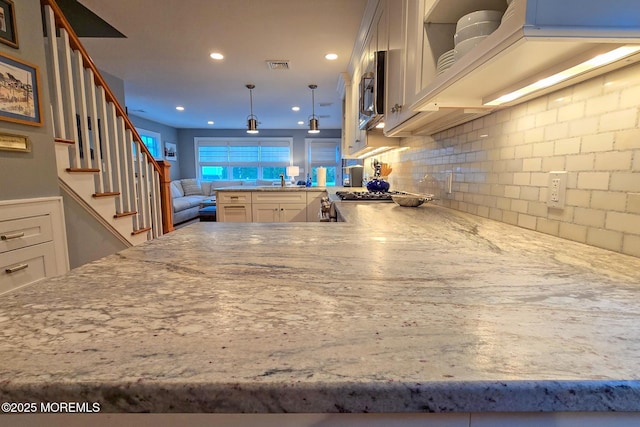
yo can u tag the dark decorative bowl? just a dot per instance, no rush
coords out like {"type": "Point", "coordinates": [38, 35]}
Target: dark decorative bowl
{"type": "Point", "coordinates": [378, 185]}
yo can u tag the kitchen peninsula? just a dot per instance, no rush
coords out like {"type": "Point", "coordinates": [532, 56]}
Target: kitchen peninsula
{"type": "Point", "coordinates": [396, 310]}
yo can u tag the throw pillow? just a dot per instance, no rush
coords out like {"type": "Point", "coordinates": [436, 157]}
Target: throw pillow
{"type": "Point", "coordinates": [176, 189]}
{"type": "Point", "coordinates": [191, 187]}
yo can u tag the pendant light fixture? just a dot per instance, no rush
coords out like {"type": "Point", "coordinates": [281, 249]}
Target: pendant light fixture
{"type": "Point", "coordinates": [313, 119]}
{"type": "Point", "coordinates": [252, 120]}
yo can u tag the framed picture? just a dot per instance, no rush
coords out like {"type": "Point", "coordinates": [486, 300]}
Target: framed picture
{"type": "Point", "coordinates": [11, 142]}
{"type": "Point", "coordinates": [19, 91]}
{"type": "Point", "coordinates": [8, 33]}
{"type": "Point", "coordinates": [170, 151]}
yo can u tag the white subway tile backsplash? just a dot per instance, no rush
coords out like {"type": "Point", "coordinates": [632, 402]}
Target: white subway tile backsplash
{"type": "Point", "coordinates": [609, 200]}
{"type": "Point", "coordinates": [574, 232]}
{"type": "Point", "coordinates": [633, 203]}
{"type": "Point", "coordinates": [619, 120]}
{"type": "Point", "coordinates": [545, 118]}
{"type": "Point", "coordinates": [522, 178]}
{"type": "Point", "coordinates": [586, 126]}
{"type": "Point", "coordinates": [571, 112]}
{"type": "Point", "coordinates": [625, 181]}
{"type": "Point", "coordinates": [580, 162]}
{"type": "Point", "coordinates": [527, 221]}
{"type": "Point", "coordinates": [543, 149]}
{"type": "Point", "coordinates": [630, 96]}
{"type": "Point", "coordinates": [625, 222]}
{"type": "Point", "coordinates": [590, 130]}
{"type": "Point", "coordinates": [589, 217]}
{"type": "Point", "coordinates": [615, 161]}
{"type": "Point", "coordinates": [598, 142]}
{"type": "Point", "coordinates": [598, 105]}
{"type": "Point", "coordinates": [580, 198]}
{"type": "Point", "coordinates": [553, 163]}
{"type": "Point", "coordinates": [628, 139]}
{"type": "Point", "coordinates": [631, 245]}
{"type": "Point", "coordinates": [548, 226]}
{"type": "Point", "coordinates": [557, 131]}
{"type": "Point", "coordinates": [567, 146]}
{"type": "Point", "coordinates": [605, 239]}
{"type": "Point", "coordinates": [593, 180]}
{"type": "Point", "coordinates": [532, 165]}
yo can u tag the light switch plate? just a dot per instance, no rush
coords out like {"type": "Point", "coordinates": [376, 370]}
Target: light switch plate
{"type": "Point", "coordinates": [556, 193]}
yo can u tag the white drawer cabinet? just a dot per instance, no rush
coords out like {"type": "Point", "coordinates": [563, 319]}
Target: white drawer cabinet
{"type": "Point", "coordinates": [233, 206]}
{"type": "Point", "coordinates": [33, 242]}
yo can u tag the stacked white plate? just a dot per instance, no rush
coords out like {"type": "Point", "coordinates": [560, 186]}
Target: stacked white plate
{"type": "Point", "coordinates": [473, 28]}
{"type": "Point", "coordinates": [445, 61]}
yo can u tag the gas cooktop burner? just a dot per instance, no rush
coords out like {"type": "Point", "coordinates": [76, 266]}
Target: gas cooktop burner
{"type": "Point", "coordinates": [367, 196]}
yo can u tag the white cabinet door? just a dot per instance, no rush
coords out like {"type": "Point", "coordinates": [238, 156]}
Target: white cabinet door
{"type": "Point", "coordinates": [280, 212]}
{"type": "Point", "coordinates": [293, 212]}
{"type": "Point", "coordinates": [266, 212]}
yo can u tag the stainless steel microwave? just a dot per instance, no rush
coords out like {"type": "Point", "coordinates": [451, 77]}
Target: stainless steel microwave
{"type": "Point", "coordinates": [372, 93]}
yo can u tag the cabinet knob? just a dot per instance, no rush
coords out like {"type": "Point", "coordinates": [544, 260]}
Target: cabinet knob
{"type": "Point", "coordinates": [396, 108]}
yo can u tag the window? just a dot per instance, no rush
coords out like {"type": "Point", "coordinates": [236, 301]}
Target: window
{"type": "Point", "coordinates": [242, 159]}
{"type": "Point", "coordinates": [325, 153]}
{"type": "Point", "coordinates": [153, 142]}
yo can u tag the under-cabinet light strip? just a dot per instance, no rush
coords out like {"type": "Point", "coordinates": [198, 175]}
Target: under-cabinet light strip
{"type": "Point", "coordinates": [598, 61]}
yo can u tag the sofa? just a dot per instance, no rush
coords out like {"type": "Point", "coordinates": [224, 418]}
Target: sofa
{"type": "Point", "coordinates": [188, 194]}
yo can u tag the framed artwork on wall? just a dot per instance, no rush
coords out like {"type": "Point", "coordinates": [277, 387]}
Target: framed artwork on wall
{"type": "Point", "coordinates": [19, 91]}
{"type": "Point", "coordinates": [8, 32]}
{"type": "Point", "coordinates": [170, 151]}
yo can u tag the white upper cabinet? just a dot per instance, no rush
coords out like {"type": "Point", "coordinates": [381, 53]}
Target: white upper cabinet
{"type": "Point", "coordinates": [537, 40]}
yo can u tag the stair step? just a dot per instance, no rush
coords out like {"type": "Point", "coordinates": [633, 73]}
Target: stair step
{"type": "Point", "coordinates": [142, 230]}
{"type": "Point", "coordinates": [125, 214]}
{"type": "Point", "coordinates": [64, 141]}
{"type": "Point", "coordinates": [83, 170]}
{"type": "Point", "coordinates": [108, 194]}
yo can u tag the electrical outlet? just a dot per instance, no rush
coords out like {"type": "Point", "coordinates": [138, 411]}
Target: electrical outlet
{"type": "Point", "coordinates": [557, 189]}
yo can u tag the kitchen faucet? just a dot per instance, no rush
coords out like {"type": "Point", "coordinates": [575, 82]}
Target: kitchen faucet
{"type": "Point", "coordinates": [281, 180]}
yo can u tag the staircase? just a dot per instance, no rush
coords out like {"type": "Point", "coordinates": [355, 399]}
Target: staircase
{"type": "Point", "coordinates": [101, 160]}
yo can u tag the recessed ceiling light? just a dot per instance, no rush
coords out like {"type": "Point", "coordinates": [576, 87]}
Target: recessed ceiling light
{"type": "Point", "coordinates": [210, 122]}
{"type": "Point", "coordinates": [295, 108]}
{"type": "Point", "coordinates": [216, 55]}
{"type": "Point", "coordinates": [331, 56]}
{"type": "Point", "coordinates": [180, 108]}
{"type": "Point", "coordinates": [300, 122]}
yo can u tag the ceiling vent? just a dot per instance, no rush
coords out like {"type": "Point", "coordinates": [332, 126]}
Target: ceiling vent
{"type": "Point", "coordinates": [326, 104]}
{"type": "Point", "coordinates": [278, 64]}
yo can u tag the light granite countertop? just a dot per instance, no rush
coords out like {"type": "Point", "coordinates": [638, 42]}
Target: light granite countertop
{"type": "Point", "coordinates": [397, 310]}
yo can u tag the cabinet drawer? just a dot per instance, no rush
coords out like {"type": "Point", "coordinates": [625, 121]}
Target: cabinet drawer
{"type": "Point", "coordinates": [279, 197]}
{"type": "Point", "coordinates": [233, 197]}
{"type": "Point", "coordinates": [22, 232]}
{"type": "Point", "coordinates": [24, 266]}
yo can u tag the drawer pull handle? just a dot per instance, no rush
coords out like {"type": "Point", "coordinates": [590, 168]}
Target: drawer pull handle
{"type": "Point", "coordinates": [12, 236]}
{"type": "Point", "coordinates": [234, 197]}
{"type": "Point", "coordinates": [15, 268]}
{"type": "Point", "coordinates": [235, 207]}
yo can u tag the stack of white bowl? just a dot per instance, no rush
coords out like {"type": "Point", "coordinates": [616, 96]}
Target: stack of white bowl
{"type": "Point", "coordinates": [472, 29]}
{"type": "Point", "coordinates": [445, 61]}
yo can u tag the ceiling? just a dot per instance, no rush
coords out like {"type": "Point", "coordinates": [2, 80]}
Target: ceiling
{"type": "Point", "coordinates": [164, 59]}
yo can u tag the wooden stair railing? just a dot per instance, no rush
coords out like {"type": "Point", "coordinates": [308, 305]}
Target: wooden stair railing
{"type": "Point", "coordinates": [88, 119]}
